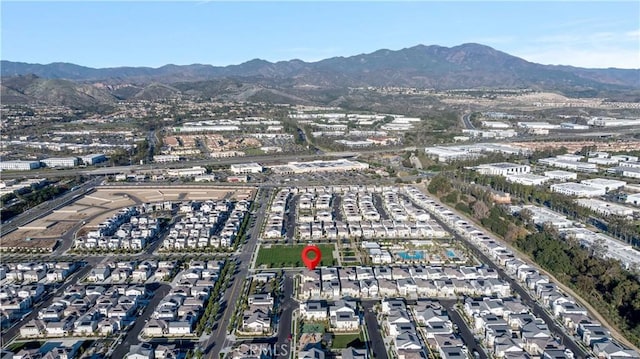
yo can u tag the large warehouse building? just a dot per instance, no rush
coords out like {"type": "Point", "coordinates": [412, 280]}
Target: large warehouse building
{"type": "Point", "coordinates": [320, 166]}
{"type": "Point", "coordinates": [19, 165]}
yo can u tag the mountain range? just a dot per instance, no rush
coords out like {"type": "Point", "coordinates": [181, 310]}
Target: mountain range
{"type": "Point", "coordinates": [463, 66]}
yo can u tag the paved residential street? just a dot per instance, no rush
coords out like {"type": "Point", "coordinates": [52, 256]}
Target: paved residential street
{"type": "Point", "coordinates": [217, 340]}
{"type": "Point", "coordinates": [288, 305]}
{"type": "Point", "coordinates": [375, 336]}
{"type": "Point", "coordinates": [131, 338]}
{"type": "Point", "coordinates": [465, 332]}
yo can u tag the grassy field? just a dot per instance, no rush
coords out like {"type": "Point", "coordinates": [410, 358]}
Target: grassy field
{"type": "Point", "coordinates": [313, 328]}
{"type": "Point", "coordinates": [17, 346]}
{"type": "Point", "coordinates": [347, 340]}
{"type": "Point", "coordinates": [290, 256]}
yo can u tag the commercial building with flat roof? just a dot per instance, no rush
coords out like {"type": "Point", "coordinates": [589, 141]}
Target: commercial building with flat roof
{"type": "Point", "coordinates": [187, 172]}
{"type": "Point", "coordinates": [219, 128]}
{"type": "Point", "coordinates": [165, 158]}
{"type": "Point", "coordinates": [625, 158]}
{"type": "Point", "coordinates": [244, 168]}
{"type": "Point", "coordinates": [577, 189]}
{"type": "Point", "coordinates": [570, 157]}
{"type": "Point", "coordinates": [561, 175]}
{"type": "Point", "coordinates": [632, 164]}
{"type": "Point", "coordinates": [605, 184]}
{"type": "Point", "coordinates": [603, 161]}
{"type": "Point", "coordinates": [320, 166]}
{"type": "Point", "coordinates": [538, 125]}
{"type": "Point", "coordinates": [527, 179]}
{"type": "Point", "coordinates": [573, 126]}
{"type": "Point", "coordinates": [495, 124]}
{"type": "Point", "coordinates": [60, 161]}
{"type": "Point", "coordinates": [444, 154]}
{"type": "Point", "coordinates": [633, 199]}
{"type": "Point", "coordinates": [605, 208]}
{"type": "Point", "coordinates": [541, 216]}
{"type": "Point", "coordinates": [502, 169]}
{"type": "Point", "coordinates": [355, 144]}
{"type": "Point", "coordinates": [92, 159]}
{"type": "Point", "coordinates": [569, 164]}
{"type": "Point", "coordinates": [19, 165]}
{"type": "Point", "coordinates": [613, 248]}
{"type": "Point", "coordinates": [616, 249]}
{"type": "Point", "coordinates": [625, 171]}
{"type": "Point", "coordinates": [495, 147]}
{"type": "Point", "coordinates": [451, 153]}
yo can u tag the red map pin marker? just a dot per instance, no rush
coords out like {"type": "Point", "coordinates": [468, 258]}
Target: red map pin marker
{"type": "Point", "coordinates": [311, 263]}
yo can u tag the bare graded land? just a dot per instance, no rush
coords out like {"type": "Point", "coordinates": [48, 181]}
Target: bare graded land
{"type": "Point", "coordinates": [39, 235]}
{"type": "Point", "coordinates": [46, 228]}
{"type": "Point", "coordinates": [182, 193]}
{"type": "Point", "coordinates": [105, 200]}
{"type": "Point", "coordinates": [20, 244]}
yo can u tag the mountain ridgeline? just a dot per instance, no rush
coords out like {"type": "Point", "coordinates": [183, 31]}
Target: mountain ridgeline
{"type": "Point", "coordinates": [464, 66]}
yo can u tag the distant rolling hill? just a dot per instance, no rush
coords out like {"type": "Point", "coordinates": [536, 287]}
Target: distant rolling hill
{"type": "Point", "coordinates": [464, 66]}
{"type": "Point", "coordinates": [33, 89]}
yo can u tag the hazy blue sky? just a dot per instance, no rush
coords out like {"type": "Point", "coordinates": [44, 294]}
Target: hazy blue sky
{"type": "Point", "coordinates": [105, 34]}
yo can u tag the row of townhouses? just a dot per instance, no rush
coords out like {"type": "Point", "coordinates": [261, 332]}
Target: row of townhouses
{"type": "Point", "coordinates": [274, 224]}
{"type": "Point", "coordinates": [132, 235]}
{"type": "Point", "coordinates": [131, 271]}
{"type": "Point", "coordinates": [411, 282]}
{"type": "Point", "coordinates": [206, 224]}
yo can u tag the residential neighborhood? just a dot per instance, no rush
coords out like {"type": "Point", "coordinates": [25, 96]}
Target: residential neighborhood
{"type": "Point", "coordinates": [430, 223]}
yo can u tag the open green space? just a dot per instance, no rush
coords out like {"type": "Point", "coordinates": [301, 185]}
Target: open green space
{"type": "Point", "coordinates": [19, 345]}
{"type": "Point", "coordinates": [313, 328]}
{"type": "Point", "coordinates": [347, 340]}
{"type": "Point", "coordinates": [278, 256]}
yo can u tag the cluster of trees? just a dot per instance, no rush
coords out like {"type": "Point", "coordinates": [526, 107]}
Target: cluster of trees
{"type": "Point", "coordinates": [141, 151]}
{"type": "Point", "coordinates": [476, 201]}
{"type": "Point", "coordinates": [612, 290]}
{"type": "Point", "coordinates": [621, 228]}
{"type": "Point", "coordinates": [30, 199]}
{"type": "Point", "coordinates": [195, 354]}
{"type": "Point", "coordinates": [433, 129]}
